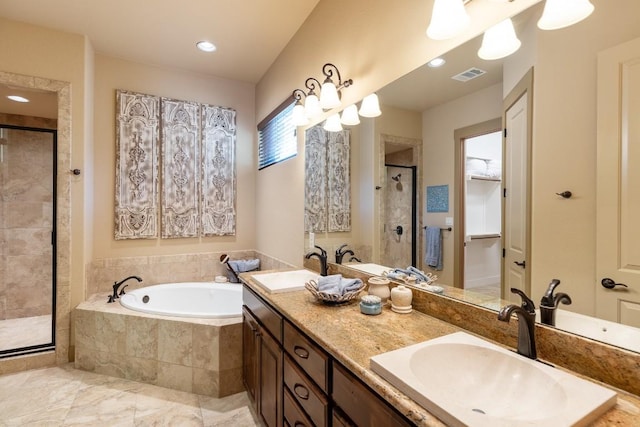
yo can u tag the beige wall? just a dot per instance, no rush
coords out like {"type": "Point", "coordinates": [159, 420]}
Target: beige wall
{"type": "Point", "coordinates": [439, 123]}
{"type": "Point", "coordinates": [372, 42]}
{"type": "Point", "coordinates": [564, 149]}
{"type": "Point", "coordinates": [36, 51]}
{"type": "Point", "coordinates": [113, 73]}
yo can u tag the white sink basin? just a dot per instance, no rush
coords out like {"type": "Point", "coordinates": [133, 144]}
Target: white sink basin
{"type": "Point", "coordinates": [284, 281]}
{"type": "Point", "coordinates": [464, 380]}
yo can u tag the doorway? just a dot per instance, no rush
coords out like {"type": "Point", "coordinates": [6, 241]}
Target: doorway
{"type": "Point", "coordinates": [27, 229]}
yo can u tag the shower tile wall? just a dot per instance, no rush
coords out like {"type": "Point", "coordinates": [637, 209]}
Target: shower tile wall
{"type": "Point", "coordinates": [26, 188]}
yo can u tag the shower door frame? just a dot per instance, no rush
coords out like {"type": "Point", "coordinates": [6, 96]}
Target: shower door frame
{"type": "Point", "coordinates": [414, 210]}
{"type": "Point", "coordinates": [37, 348]}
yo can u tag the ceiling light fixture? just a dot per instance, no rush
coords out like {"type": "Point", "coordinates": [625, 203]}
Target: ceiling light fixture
{"type": "Point", "coordinates": [436, 62]}
{"type": "Point", "coordinates": [206, 46]}
{"type": "Point", "coordinates": [562, 13]}
{"type": "Point", "coordinates": [17, 98]}
{"type": "Point", "coordinates": [448, 19]}
{"type": "Point", "coordinates": [499, 41]}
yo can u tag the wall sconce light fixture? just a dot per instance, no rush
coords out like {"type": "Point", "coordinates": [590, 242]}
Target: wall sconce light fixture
{"type": "Point", "coordinates": [448, 19]}
{"type": "Point", "coordinates": [370, 106]}
{"type": "Point", "coordinates": [499, 41]}
{"type": "Point", "coordinates": [330, 92]}
{"type": "Point", "coordinates": [563, 13]}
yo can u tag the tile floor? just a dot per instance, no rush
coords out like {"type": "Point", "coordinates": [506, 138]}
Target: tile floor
{"type": "Point", "coordinates": [65, 396]}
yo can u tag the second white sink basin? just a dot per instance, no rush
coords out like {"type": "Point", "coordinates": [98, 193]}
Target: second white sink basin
{"type": "Point", "coordinates": [284, 281]}
{"type": "Point", "coordinates": [464, 380]}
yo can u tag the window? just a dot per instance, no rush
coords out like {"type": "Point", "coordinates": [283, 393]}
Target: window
{"type": "Point", "coordinates": [277, 136]}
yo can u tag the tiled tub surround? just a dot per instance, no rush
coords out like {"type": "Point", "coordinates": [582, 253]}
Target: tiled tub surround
{"type": "Point", "coordinates": [202, 356]}
{"type": "Point", "coordinates": [200, 267]}
{"type": "Point", "coordinates": [353, 338]}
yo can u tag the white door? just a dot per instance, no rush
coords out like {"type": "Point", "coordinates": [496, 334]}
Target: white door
{"type": "Point", "coordinates": [618, 175]}
{"type": "Point", "coordinates": [515, 268]}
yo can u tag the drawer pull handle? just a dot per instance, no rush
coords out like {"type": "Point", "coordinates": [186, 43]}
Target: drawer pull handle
{"type": "Point", "coordinates": [303, 394]}
{"type": "Point", "coordinates": [301, 352]}
{"type": "Point", "coordinates": [299, 424]}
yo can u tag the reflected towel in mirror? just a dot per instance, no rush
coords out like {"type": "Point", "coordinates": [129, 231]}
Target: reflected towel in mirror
{"type": "Point", "coordinates": [433, 252]}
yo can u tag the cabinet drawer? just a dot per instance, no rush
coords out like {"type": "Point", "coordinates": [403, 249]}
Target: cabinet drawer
{"type": "Point", "coordinates": [293, 415]}
{"type": "Point", "coordinates": [308, 355]}
{"type": "Point", "coordinates": [267, 316]}
{"type": "Point", "coordinates": [308, 395]}
{"type": "Point", "coordinates": [361, 404]}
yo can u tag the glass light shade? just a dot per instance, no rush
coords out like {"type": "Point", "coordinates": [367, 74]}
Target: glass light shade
{"type": "Point", "coordinates": [329, 97]}
{"type": "Point", "coordinates": [448, 19]}
{"type": "Point", "coordinates": [370, 106]}
{"type": "Point", "coordinates": [312, 106]}
{"type": "Point", "coordinates": [499, 41]}
{"type": "Point", "coordinates": [350, 116]}
{"type": "Point", "coordinates": [332, 124]}
{"type": "Point", "coordinates": [298, 115]}
{"type": "Point", "coordinates": [562, 13]}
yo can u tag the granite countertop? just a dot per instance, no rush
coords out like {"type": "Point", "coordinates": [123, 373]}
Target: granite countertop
{"type": "Point", "coordinates": [353, 338]}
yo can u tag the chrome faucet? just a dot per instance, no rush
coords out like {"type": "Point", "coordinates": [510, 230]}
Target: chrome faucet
{"type": "Point", "coordinates": [116, 285]}
{"type": "Point", "coordinates": [526, 323]}
{"type": "Point", "coordinates": [550, 302]}
{"type": "Point", "coordinates": [322, 257]}
{"type": "Point", "coordinates": [341, 252]}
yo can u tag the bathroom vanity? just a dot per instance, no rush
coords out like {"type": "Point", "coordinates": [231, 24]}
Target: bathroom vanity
{"type": "Point", "coordinates": [307, 363]}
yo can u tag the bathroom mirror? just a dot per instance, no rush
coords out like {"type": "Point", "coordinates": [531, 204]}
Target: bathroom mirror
{"type": "Point", "coordinates": [565, 77]}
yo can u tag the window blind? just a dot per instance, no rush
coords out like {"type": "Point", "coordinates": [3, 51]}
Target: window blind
{"type": "Point", "coordinates": [277, 136]}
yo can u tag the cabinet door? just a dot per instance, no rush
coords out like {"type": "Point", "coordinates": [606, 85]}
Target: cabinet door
{"type": "Point", "coordinates": [250, 336]}
{"type": "Point", "coordinates": [270, 381]}
{"type": "Point", "coordinates": [360, 404]}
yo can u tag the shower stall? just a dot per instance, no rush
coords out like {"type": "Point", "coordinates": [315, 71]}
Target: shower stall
{"type": "Point", "coordinates": [27, 234]}
{"type": "Point", "coordinates": [399, 240]}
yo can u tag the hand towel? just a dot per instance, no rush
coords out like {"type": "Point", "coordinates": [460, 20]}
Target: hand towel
{"type": "Point", "coordinates": [242, 266]}
{"type": "Point", "coordinates": [349, 285]}
{"type": "Point", "coordinates": [330, 284]}
{"type": "Point", "coordinates": [433, 253]}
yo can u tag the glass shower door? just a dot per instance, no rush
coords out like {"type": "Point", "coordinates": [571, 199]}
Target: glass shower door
{"type": "Point", "coordinates": [27, 234]}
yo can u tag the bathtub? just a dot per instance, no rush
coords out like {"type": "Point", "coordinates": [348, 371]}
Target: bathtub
{"type": "Point", "coordinates": [207, 300]}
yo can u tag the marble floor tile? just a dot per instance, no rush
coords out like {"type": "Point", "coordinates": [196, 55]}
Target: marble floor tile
{"type": "Point", "coordinates": [64, 396]}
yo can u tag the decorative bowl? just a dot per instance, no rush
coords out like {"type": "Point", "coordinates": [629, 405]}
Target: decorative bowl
{"type": "Point", "coordinates": [330, 298]}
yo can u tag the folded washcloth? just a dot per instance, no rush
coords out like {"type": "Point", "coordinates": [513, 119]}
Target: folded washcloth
{"type": "Point", "coordinates": [242, 266]}
{"type": "Point", "coordinates": [419, 274]}
{"type": "Point", "coordinates": [435, 289]}
{"type": "Point", "coordinates": [395, 275]}
{"type": "Point", "coordinates": [330, 284]}
{"type": "Point", "coordinates": [349, 285]}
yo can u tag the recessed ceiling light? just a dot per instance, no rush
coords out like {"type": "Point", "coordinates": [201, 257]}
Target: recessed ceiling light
{"type": "Point", "coordinates": [17, 98]}
{"type": "Point", "coordinates": [206, 46]}
{"type": "Point", "coordinates": [437, 62]}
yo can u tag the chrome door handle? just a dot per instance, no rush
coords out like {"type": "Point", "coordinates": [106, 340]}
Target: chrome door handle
{"type": "Point", "coordinates": [610, 283]}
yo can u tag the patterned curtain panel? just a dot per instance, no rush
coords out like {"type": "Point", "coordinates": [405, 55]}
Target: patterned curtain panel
{"type": "Point", "coordinates": [136, 204]}
{"type": "Point", "coordinates": [218, 171]}
{"type": "Point", "coordinates": [180, 168]}
{"type": "Point", "coordinates": [327, 181]}
{"type": "Point", "coordinates": [315, 166]}
{"type": "Point", "coordinates": [339, 181]}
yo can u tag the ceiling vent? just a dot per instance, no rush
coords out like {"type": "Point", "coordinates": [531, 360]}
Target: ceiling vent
{"type": "Point", "coordinates": [469, 74]}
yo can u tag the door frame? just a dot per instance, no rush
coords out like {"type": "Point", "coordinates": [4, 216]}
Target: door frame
{"type": "Point", "coordinates": [459, 136]}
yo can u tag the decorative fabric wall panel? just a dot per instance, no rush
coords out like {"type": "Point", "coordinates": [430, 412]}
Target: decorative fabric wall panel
{"type": "Point", "coordinates": [339, 181]}
{"type": "Point", "coordinates": [218, 171]}
{"type": "Point", "coordinates": [136, 204]}
{"type": "Point", "coordinates": [315, 186]}
{"type": "Point", "coordinates": [180, 168]}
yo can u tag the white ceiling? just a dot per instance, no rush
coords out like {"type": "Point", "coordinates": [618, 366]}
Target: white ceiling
{"type": "Point", "coordinates": [249, 34]}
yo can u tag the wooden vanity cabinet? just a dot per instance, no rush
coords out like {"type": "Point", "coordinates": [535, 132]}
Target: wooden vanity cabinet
{"type": "Point", "coordinates": [294, 382]}
{"type": "Point", "coordinates": [263, 358]}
